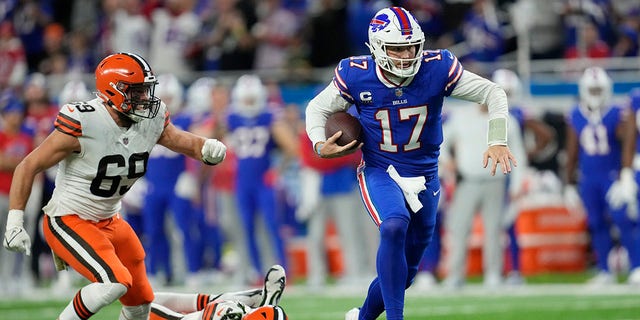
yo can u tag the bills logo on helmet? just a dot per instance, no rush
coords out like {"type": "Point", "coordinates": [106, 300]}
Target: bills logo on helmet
{"type": "Point", "coordinates": [379, 22]}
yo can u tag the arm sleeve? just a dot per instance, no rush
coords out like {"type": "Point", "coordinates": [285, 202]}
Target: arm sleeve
{"type": "Point", "coordinates": [328, 101]}
{"type": "Point", "coordinates": [472, 87]}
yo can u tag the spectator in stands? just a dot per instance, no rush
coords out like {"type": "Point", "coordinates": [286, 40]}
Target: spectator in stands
{"type": "Point", "coordinates": [14, 146]}
{"type": "Point", "coordinates": [80, 58]}
{"type": "Point", "coordinates": [174, 28]}
{"type": "Point", "coordinates": [30, 18]}
{"type": "Point", "coordinates": [575, 14]}
{"type": "Point", "coordinates": [593, 44]}
{"type": "Point", "coordinates": [130, 29]}
{"type": "Point", "coordinates": [325, 33]}
{"type": "Point", "coordinates": [276, 30]}
{"type": "Point", "coordinates": [54, 60]}
{"type": "Point", "coordinates": [13, 63]}
{"type": "Point", "coordinates": [465, 132]}
{"type": "Point", "coordinates": [226, 38]}
{"type": "Point", "coordinates": [627, 43]}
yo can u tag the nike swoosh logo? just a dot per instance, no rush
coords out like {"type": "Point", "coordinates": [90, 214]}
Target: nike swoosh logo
{"type": "Point", "coordinates": [435, 193]}
{"type": "Point", "coordinates": [340, 67]}
{"type": "Point", "coordinates": [71, 109]}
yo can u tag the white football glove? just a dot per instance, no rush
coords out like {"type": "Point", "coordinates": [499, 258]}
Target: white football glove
{"type": "Point", "coordinates": [213, 151]}
{"type": "Point", "coordinates": [572, 199]}
{"type": "Point", "coordinates": [16, 237]}
{"type": "Point", "coordinates": [624, 190]}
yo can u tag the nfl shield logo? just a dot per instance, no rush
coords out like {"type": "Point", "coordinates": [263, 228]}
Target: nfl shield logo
{"type": "Point", "coordinates": [398, 92]}
{"type": "Point", "coordinates": [125, 140]}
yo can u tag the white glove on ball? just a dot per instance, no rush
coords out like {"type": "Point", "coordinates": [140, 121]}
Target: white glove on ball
{"type": "Point", "coordinates": [16, 237]}
{"type": "Point", "coordinates": [213, 151]}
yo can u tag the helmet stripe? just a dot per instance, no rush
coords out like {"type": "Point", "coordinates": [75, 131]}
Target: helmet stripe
{"type": "Point", "coordinates": [405, 23]}
{"type": "Point", "coordinates": [143, 63]}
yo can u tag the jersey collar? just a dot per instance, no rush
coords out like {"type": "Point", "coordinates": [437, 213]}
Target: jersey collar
{"type": "Point", "coordinates": [392, 81]}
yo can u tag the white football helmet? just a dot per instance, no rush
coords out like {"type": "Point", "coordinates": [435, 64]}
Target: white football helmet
{"type": "Point", "coordinates": [199, 95]}
{"type": "Point", "coordinates": [73, 91]}
{"type": "Point", "coordinates": [249, 95]}
{"type": "Point", "coordinates": [395, 26]}
{"type": "Point", "coordinates": [595, 88]}
{"type": "Point", "coordinates": [170, 91]}
{"type": "Point", "coordinates": [509, 82]}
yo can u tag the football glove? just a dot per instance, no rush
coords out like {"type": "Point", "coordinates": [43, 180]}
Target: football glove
{"type": "Point", "coordinates": [624, 190]}
{"type": "Point", "coordinates": [16, 237]}
{"type": "Point", "coordinates": [213, 152]}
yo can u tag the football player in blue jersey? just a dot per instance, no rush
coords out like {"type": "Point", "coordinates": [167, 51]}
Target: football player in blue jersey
{"type": "Point", "coordinates": [255, 129]}
{"type": "Point", "coordinates": [399, 92]}
{"type": "Point", "coordinates": [632, 211]}
{"type": "Point", "coordinates": [165, 167]}
{"type": "Point", "coordinates": [599, 158]}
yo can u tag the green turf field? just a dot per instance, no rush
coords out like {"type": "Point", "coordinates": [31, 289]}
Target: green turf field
{"type": "Point", "coordinates": [530, 302]}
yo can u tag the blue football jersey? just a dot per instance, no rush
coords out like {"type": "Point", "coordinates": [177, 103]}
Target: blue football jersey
{"type": "Point", "coordinates": [600, 152]}
{"type": "Point", "coordinates": [634, 97]}
{"type": "Point", "coordinates": [402, 124]}
{"type": "Point", "coordinates": [252, 143]}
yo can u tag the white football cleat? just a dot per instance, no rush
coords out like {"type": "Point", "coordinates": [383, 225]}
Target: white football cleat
{"type": "Point", "coordinates": [603, 278]}
{"type": "Point", "coordinates": [274, 282]}
{"type": "Point", "coordinates": [352, 314]}
{"type": "Point", "coordinates": [634, 276]}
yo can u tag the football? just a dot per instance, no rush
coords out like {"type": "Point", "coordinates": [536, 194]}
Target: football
{"type": "Point", "coordinates": [345, 122]}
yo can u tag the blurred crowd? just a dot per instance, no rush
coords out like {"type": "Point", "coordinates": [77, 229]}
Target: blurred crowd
{"type": "Point", "coordinates": [185, 36]}
{"type": "Point", "coordinates": [236, 218]}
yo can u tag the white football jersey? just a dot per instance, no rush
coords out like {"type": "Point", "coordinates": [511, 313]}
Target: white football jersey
{"type": "Point", "coordinates": [92, 182]}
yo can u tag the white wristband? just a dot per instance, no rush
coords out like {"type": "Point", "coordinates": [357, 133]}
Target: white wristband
{"type": "Point", "coordinates": [15, 219]}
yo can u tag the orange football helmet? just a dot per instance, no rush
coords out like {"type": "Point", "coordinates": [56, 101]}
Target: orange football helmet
{"type": "Point", "coordinates": [126, 82]}
{"type": "Point", "coordinates": [267, 313]}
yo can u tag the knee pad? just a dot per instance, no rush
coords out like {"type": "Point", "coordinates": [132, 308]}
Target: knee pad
{"type": "Point", "coordinates": [139, 312]}
{"type": "Point", "coordinates": [394, 229]}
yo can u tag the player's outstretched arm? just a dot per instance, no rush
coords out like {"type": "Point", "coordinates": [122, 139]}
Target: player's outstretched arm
{"type": "Point", "coordinates": [330, 149]}
{"type": "Point", "coordinates": [209, 151]}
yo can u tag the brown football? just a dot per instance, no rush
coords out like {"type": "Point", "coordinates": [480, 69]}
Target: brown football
{"type": "Point", "coordinates": [345, 122]}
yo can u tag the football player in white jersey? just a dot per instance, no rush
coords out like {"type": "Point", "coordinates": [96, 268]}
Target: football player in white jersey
{"type": "Point", "coordinates": [102, 147]}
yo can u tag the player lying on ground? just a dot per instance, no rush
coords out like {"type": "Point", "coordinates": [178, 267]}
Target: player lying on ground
{"type": "Point", "coordinates": [253, 304]}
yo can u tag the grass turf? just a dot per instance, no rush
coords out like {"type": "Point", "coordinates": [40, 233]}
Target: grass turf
{"type": "Point", "coordinates": [530, 302]}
